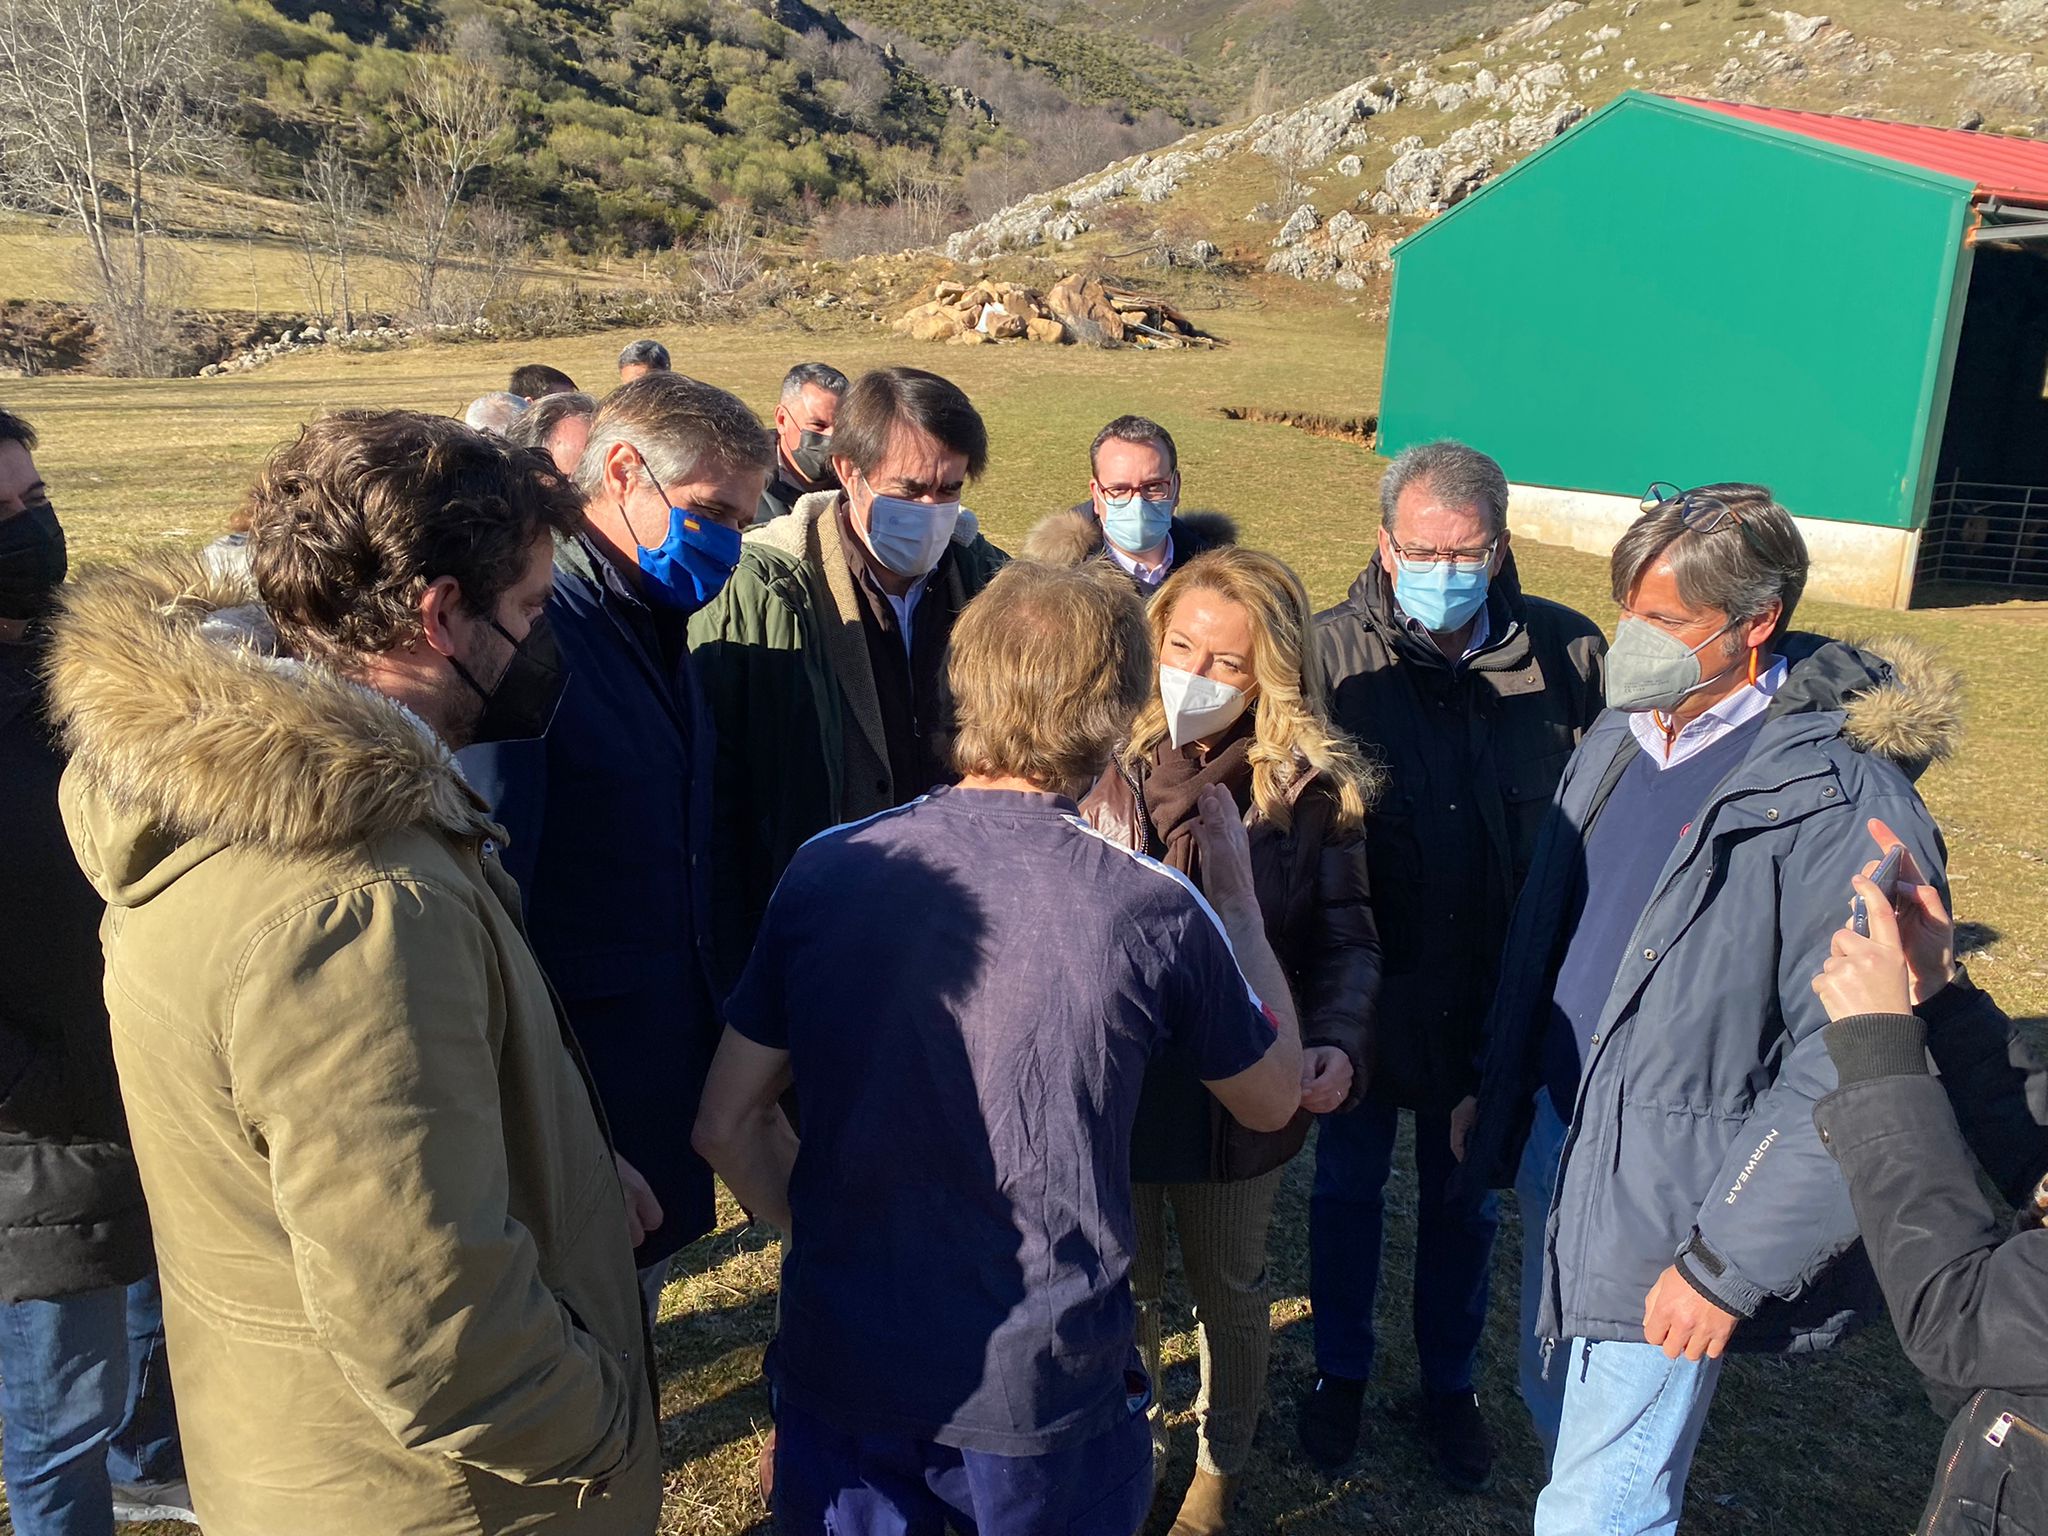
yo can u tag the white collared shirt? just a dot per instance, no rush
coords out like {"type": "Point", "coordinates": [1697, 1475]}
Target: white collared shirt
{"type": "Point", "coordinates": [1147, 575]}
{"type": "Point", "coordinates": [1739, 708]}
{"type": "Point", "coordinates": [904, 607]}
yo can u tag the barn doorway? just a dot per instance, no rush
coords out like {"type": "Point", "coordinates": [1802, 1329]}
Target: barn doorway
{"type": "Point", "coordinates": [1987, 522]}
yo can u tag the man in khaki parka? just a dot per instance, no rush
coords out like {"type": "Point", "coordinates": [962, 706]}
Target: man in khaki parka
{"type": "Point", "coordinates": [397, 1270]}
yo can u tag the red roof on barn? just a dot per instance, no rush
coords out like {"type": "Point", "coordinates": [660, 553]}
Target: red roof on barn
{"type": "Point", "coordinates": [2012, 170]}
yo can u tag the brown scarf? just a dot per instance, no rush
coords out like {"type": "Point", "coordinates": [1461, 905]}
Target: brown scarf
{"type": "Point", "coordinates": [1177, 780]}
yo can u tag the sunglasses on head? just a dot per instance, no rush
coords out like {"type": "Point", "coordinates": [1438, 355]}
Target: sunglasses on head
{"type": "Point", "coordinates": [1697, 511]}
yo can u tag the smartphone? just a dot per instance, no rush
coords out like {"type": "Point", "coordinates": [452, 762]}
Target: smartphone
{"type": "Point", "coordinates": [1886, 878]}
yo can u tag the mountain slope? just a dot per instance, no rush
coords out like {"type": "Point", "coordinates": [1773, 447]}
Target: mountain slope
{"type": "Point", "coordinates": [1323, 191]}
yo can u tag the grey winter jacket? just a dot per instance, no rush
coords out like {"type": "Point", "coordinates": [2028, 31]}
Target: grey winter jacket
{"type": "Point", "coordinates": [1692, 1141]}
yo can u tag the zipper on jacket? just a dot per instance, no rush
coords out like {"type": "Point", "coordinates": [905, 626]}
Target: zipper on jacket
{"type": "Point", "coordinates": [2008, 1422]}
{"type": "Point", "coordinates": [1948, 1471]}
{"type": "Point", "coordinates": [1549, 1348]}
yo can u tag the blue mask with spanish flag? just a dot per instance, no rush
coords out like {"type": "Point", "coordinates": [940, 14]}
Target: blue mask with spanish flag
{"type": "Point", "coordinates": [687, 569]}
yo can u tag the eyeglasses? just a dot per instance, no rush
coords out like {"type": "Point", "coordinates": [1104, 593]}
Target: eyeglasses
{"type": "Point", "coordinates": [1457, 559]}
{"type": "Point", "coordinates": [1697, 513]}
{"type": "Point", "coordinates": [1151, 490]}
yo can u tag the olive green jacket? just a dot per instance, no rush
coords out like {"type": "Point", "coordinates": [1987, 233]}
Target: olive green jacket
{"type": "Point", "coordinates": [398, 1288]}
{"type": "Point", "coordinates": [784, 665]}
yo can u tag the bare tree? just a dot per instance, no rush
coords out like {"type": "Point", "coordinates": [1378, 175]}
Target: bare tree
{"type": "Point", "coordinates": [726, 256]}
{"type": "Point", "coordinates": [332, 203]}
{"type": "Point", "coordinates": [100, 101]}
{"type": "Point", "coordinates": [491, 240]}
{"type": "Point", "coordinates": [1290, 163]}
{"type": "Point", "coordinates": [459, 111]}
{"type": "Point", "coordinates": [924, 200]}
{"type": "Point", "coordinates": [1264, 96]}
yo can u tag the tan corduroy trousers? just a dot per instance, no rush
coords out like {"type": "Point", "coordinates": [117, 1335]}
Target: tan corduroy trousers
{"type": "Point", "coordinates": [1222, 1230]}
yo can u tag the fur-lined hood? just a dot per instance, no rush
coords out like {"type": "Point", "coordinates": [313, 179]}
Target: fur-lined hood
{"type": "Point", "coordinates": [1899, 700]}
{"type": "Point", "coordinates": [186, 727]}
{"type": "Point", "coordinates": [1074, 536]}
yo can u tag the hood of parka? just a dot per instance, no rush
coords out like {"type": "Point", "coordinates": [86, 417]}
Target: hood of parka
{"type": "Point", "coordinates": [189, 734]}
{"type": "Point", "coordinates": [1073, 536]}
{"type": "Point", "coordinates": [1897, 698]}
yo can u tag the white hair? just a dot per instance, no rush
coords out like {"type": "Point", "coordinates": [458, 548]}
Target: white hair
{"type": "Point", "coordinates": [494, 413]}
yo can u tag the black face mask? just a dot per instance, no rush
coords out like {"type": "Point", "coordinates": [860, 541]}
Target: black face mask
{"type": "Point", "coordinates": [32, 563]}
{"type": "Point", "coordinates": [813, 458]}
{"type": "Point", "coordinates": [523, 701]}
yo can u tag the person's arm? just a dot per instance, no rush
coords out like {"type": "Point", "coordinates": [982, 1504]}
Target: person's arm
{"type": "Point", "coordinates": [1265, 1095]}
{"type": "Point", "coordinates": [1340, 977]}
{"type": "Point", "coordinates": [1970, 1304]}
{"type": "Point", "coordinates": [1995, 1084]}
{"type": "Point", "coordinates": [741, 1130]}
{"type": "Point", "coordinates": [364, 1066]}
{"type": "Point", "coordinates": [1778, 1213]}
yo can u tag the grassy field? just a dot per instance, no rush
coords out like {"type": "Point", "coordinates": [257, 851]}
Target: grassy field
{"type": "Point", "coordinates": [1841, 1445]}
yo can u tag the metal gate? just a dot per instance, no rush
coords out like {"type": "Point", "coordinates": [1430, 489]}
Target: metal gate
{"type": "Point", "coordinates": [1995, 534]}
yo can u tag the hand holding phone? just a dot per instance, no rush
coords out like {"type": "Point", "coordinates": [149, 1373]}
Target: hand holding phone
{"type": "Point", "coordinates": [1886, 878]}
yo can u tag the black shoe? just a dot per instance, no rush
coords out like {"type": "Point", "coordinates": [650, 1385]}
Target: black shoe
{"type": "Point", "coordinates": [1329, 1421]}
{"type": "Point", "coordinates": [1457, 1435]}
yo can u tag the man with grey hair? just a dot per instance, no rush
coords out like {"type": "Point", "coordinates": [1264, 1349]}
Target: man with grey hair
{"type": "Point", "coordinates": [495, 412]}
{"type": "Point", "coordinates": [609, 813]}
{"type": "Point", "coordinates": [558, 425]}
{"type": "Point", "coordinates": [1473, 695]}
{"type": "Point", "coordinates": [640, 358]}
{"type": "Point", "coordinates": [1654, 1010]}
{"type": "Point", "coordinates": [804, 414]}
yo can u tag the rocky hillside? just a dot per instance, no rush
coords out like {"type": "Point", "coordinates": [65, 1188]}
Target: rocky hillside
{"type": "Point", "coordinates": [1322, 192]}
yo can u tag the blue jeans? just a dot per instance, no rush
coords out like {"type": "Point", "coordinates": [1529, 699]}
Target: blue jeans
{"type": "Point", "coordinates": [85, 1397]}
{"type": "Point", "coordinates": [1347, 1226]}
{"type": "Point", "coordinates": [830, 1480]}
{"type": "Point", "coordinates": [1535, 1185]}
{"type": "Point", "coordinates": [1632, 1420]}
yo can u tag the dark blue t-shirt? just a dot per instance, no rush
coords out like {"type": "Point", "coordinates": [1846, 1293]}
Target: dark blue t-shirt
{"type": "Point", "coordinates": [1647, 812]}
{"type": "Point", "coordinates": [969, 988]}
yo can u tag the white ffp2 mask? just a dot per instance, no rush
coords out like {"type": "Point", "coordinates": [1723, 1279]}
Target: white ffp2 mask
{"type": "Point", "coordinates": [1196, 706]}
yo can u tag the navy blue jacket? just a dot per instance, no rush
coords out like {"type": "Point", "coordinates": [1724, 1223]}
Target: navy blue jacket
{"type": "Point", "coordinates": [607, 819]}
{"type": "Point", "coordinates": [1692, 1142]}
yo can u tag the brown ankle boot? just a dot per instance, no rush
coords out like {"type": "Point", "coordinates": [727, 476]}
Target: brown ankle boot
{"type": "Point", "coordinates": [1206, 1509]}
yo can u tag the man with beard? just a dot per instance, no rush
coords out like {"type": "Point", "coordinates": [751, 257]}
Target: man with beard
{"type": "Point", "coordinates": [399, 1286]}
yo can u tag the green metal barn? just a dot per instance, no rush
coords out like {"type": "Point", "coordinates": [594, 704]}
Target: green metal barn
{"type": "Point", "coordinates": [1852, 312]}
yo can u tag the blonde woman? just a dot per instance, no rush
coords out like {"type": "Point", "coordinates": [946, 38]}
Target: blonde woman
{"type": "Point", "coordinates": [1239, 703]}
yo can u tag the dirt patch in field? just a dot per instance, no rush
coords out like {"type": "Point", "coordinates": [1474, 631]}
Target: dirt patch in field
{"type": "Point", "coordinates": [1363, 430]}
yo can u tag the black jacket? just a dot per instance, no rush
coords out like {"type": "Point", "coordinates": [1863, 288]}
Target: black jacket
{"type": "Point", "coordinates": [1472, 753]}
{"type": "Point", "coordinates": [1315, 893]}
{"type": "Point", "coordinates": [71, 1211]}
{"type": "Point", "coordinates": [783, 491]}
{"type": "Point", "coordinates": [609, 823]}
{"type": "Point", "coordinates": [1968, 1295]}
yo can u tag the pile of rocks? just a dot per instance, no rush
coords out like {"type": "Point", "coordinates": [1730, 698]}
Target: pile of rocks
{"type": "Point", "coordinates": [1075, 308]}
{"type": "Point", "coordinates": [984, 311]}
{"type": "Point", "coordinates": [309, 336]}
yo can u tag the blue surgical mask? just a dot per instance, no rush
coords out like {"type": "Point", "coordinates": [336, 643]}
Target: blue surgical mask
{"type": "Point", "coordinates": [1438, 595]}
{"type": "Point", "coordinates": [909, 536]}
{"type": "Point", "coordinates": [1135, 524]}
